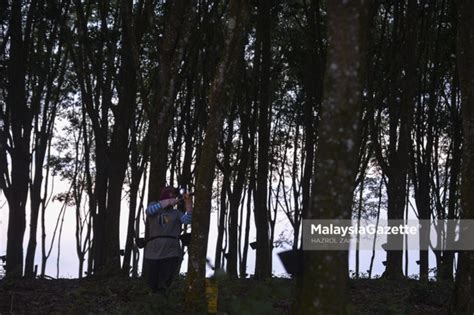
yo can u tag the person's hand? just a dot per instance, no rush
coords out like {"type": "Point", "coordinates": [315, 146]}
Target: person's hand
{"type": "Point", "coordinates": [174, 201]}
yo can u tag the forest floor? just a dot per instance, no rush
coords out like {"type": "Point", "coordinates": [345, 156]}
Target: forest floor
{"type": "Point", "coordinates": [274, 296]}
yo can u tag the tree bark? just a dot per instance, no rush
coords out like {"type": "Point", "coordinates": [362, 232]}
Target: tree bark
{"type": "Point", "coordinates": [447, 259]}
{"type": "Point", "coordinates": [322, 285]}
{"type": "Point", "coordinates": [463, 299]}
{"type": "Point", "coordinates": [18, 121]}
{"type": "Point", "coordinates": [263, 268]}
{"type": "Point", "coordinates": [238, 186]}
{"type": "Point", "coordinates": [218, 101]}
{"type": "Point", "coordinates": [44, 118]}
{"type": "Point", "coordinates": [118, 151]}
{"type": "Point", "coordinates": [401, 94]}
{"type": "Point", "coordinates": [177, 22]}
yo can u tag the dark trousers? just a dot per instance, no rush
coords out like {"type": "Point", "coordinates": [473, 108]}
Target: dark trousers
{"type": "Point", "coordinates": [161, 273]}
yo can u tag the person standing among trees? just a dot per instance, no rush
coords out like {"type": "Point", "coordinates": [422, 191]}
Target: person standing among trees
{"type": "Point", "coordinates": [163, 251]}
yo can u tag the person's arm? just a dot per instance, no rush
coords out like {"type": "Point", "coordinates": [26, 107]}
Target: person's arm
{"type": "Point", "coordinates": [154, 207]}
{"type": "Point", "coordinates": [187, 217]}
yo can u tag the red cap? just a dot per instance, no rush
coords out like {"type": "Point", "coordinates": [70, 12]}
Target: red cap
{"type": "Point", "coordinates": [167, 193]}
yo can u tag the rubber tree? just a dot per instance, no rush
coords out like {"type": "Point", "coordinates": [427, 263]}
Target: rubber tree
{"type": "Point", "coordinates": [398, 93]}
{"type": "Point", "coordinates": [263, 261]}
{"type": "Point", "coordinates": [463, 299]}
{"type": "Point", "coordinates": [218, 99]}
{"type": "Point", "coordinates": [322, 284]}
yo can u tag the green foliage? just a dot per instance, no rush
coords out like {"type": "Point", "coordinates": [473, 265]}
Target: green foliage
{"type": "Point", "coordinates": [247, 296]}
{"type": "Point", "coordinates": [121, 295]}
{"type": "Point", "coordinates": [430, 293]}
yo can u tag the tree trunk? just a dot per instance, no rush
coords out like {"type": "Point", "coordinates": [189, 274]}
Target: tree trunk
{"type": "Point", "coordinates": [171, 50]}
{"type": "Point", "coordinates": [263, 268]}
{"type": "Point", "coordinates": [463, 299]}
{"type": "Point", "coordinates": [313, 86]}
{"type": "Point", "coordinates": [118, 152]}
{"type": "Point", "coordinates": [239, 182]}
{"type": "Point", "coordinates": [322, 285]}
{"type": "Point", "coordinates": [401, 104]}
{"type": "Point", "coordinates": [137, 167]}
{"type": "Point", "coordinates": [234, 42]}
{"type": "Point", "coordinates": [447, 260]}
{"type": "Point", "coordinates": [16, 187]}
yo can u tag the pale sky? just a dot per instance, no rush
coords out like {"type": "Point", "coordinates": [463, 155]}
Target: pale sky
{"type": "Point", "coordinates": [69, 260]}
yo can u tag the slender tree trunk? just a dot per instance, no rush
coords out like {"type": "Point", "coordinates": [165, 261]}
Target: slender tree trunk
{"type": "Point", "coordinates": [263, 268]}
{"type": "Point", "coordinates": [463, 299]}
{"type": "Point", "coordinates": [236, 196]}
{"type": "Point", "coordinates": [226, 172]}
{"type": "Point", "coordinates": [43, 210]}
{"type": "Point", "coordinates": [16, 189]}
{"type": "Point", "coordinates": [401, 121]}
{"type": "Point", "coordinates": [422, 161]}
{"type": "Point", "coordinates": [221, 224]}
{"type": "Point", "coordinates": [92, 204]}
{"type": "Point", "coordinates": [313, 85]}
{"type": "Point", "coordinates": [447, 263]}
{"type": "Point", "coordinates": [379, 206]}
{"type": "Point", "coordinates": [234, 42]}
{"type": "Point", "coordinates": [44, 119]}
{"type": "Point", "coordinates": [251, 188]}
{"type": "Point", "coordinates": [359, 217]}
{"type": "Point", "coordinates": [137, 167]}
{"type": "Point", "coordinates": [118, 151]}
{"type": "Point", "coordinates": [171, 50]}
